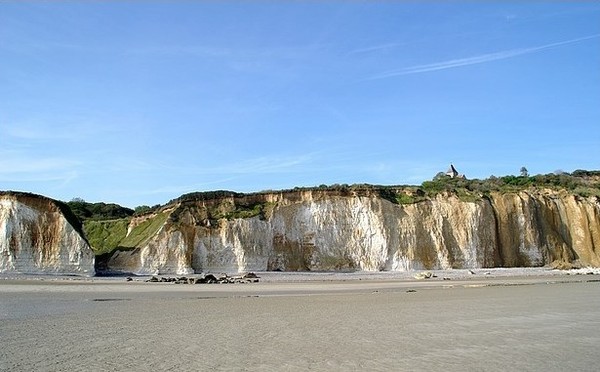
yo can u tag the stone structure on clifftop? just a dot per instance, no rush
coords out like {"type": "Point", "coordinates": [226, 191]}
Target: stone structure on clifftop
{"type": "Point", "coordinates": [453, 173]}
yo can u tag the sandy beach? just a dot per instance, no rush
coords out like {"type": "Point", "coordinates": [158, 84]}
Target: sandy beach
{"type": "Point", "coordinates": [493, 320]}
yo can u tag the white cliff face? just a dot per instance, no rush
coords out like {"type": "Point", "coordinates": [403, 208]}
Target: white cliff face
{"type": "Point", "coordinates": [313, 231]}
{"type": "Point", "coordinates": [36, 238]}
{"type": "Point", "coordinates": [236, 245]}
{"type": "Point", "coordinates": [330, 234]}
{"type": "Point", "coordinates": [444, 233]}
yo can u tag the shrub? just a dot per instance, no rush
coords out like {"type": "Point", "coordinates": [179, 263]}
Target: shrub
{"type": "Point", "coordinates": [98, 211]}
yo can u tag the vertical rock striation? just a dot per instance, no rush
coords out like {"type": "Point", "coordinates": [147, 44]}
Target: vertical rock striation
{"type": "Point", "coordinates": [39, 235]}
{"type": "Point", "coordinates": [328, 230]}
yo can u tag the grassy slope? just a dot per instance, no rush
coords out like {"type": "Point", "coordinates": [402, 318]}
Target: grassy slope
{"type": "Point", "coordinates": [144, 231]}
{"type": "Point", "coordinates": [107, 236]}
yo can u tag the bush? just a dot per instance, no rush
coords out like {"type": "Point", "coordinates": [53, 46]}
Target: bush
{"type": "Point", "coordinates": [586, 191]}
{"type": "Point", "coordinates": [98, 211]}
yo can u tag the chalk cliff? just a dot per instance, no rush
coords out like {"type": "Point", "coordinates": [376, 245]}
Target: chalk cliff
{"type": "Point", "coordinates": [361, 230]}
{"type": "Point", "coordinates": [39, 235]}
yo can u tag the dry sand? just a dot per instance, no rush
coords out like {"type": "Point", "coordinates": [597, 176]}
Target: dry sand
{"type": "Point", "coordinates": [503, 321]}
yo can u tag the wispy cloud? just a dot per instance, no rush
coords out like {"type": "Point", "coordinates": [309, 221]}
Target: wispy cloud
{"type": "Point", "coordinates": [282, 51]}
{"type": "Point", "coordinates": [195, 50]}
{"type": "Point", "coordinates": [72, 129]}
{"type": "Point", "coordinates": [376, 48]}
{"type": "Point", "coordinates": [17, 168]}
{"type": "Point", "coordinates": [259, 165]}
{"type": "Point", "coordinates": [41, 134]}
{"type": "Point", "coordinates": [61, 179]}
{"type": "Point", "coordinates": [12, 165]}
{"type": "Point", "coordinates": [266, 165]}
{"type": "Point", "coordinates": [483, 58]}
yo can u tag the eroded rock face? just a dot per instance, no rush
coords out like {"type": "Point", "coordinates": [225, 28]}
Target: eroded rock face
{"type": "Point", "coordinates": [37, 238]}
{"type": "Point", "coordinates": [314, 230]}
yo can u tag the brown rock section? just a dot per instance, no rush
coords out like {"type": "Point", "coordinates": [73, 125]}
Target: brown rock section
{"type": "Point", "coordinates": [39, 235]}
{"type": "Point", "coordinates": [362, 230]}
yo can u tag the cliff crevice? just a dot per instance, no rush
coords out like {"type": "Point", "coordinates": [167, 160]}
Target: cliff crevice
{"type": "Point", "coordinates": [364, 230]}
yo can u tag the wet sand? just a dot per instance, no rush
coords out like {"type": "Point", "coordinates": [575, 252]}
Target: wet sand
{"type": "Point", "coordinates": [303, 322]}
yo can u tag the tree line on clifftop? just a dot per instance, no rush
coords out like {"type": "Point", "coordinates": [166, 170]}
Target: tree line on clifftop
{"type": "Point", "coordinates": [105, 211]}
{"type": "Point", "coordinates": [580, 182]}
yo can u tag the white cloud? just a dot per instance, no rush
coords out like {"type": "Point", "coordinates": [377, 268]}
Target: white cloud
{"type": "Point", "coordinates": [259, 165]}
{"type": "Point", "coordinates": [195, 50]}
{"type": "Point", "coordinates": [75, 131]}
{"type": "Point", "coordinates": [376, 48]}
{"type": "Point", "coordinates": [32, 170]}
{"type": "Point", "coordinates": [270, 164]}
{"type": "Point", "coordinates": [228, 172]}
{"type": "Point", "coordinates": [13, 165]}
{"type": "Point", "coordinates": [62, 177]}
{"type": "Point", "coordinates": [43, 134]}
{"type": "Point", "coordinates": [483, 58]}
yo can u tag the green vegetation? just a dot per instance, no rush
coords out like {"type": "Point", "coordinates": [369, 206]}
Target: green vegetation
{"type": "Point", "coordinates": [206, 195]}
{"type": "Point", "coordinates": [241, 211]}
{"type": "Point", "coordinates": [404, 195]}
{"type": "Point", "coordinates": [405, 199]}
{"type": "Point", "coordinates": [105, 236]}
{"type": "Point", "coordinates": [144, 231]}
{"type": "Point", "coordinates": [467, 196]}
{"type": "Point", "coordinates": [582, 183]}
{"type": "Point", "coordinates": [106, 225]}
{"type": "Point", "coordinates": [587, 191]}
{"type": "Point", "coordinates": [98, 211]}
{"type": "Point", "coordinates": [261, 209]}
{"type": "Point", "coordinates": [144, 209]}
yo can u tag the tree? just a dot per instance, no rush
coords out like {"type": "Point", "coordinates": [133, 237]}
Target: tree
{"type": "Point", "coordinates": [524, 172]}
{"type": "Point", "coordinates": [440, 175]}
{"type": "Point", "coordinates": [142, 209]}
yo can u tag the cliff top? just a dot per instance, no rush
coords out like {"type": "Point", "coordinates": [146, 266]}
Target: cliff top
{"type": "Point", "coordinates": [108, 229]}
{"type": "Point", "coordinates": [45, 203]}
{"type": "Point", "coordinates": [580, 182]}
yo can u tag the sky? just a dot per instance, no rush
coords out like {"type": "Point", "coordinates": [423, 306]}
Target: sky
{"type": "Point", "coordinates": [139, 102]}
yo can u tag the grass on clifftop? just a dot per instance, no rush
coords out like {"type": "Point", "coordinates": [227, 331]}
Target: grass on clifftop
{"type": "Point", "coordinates": [263, 210]}
{"type": "Point", "coordinates": [580, 182]}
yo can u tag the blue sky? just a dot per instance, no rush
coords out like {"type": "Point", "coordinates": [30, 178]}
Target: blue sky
{"type": "Point", "coordinates": [139, 102]}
